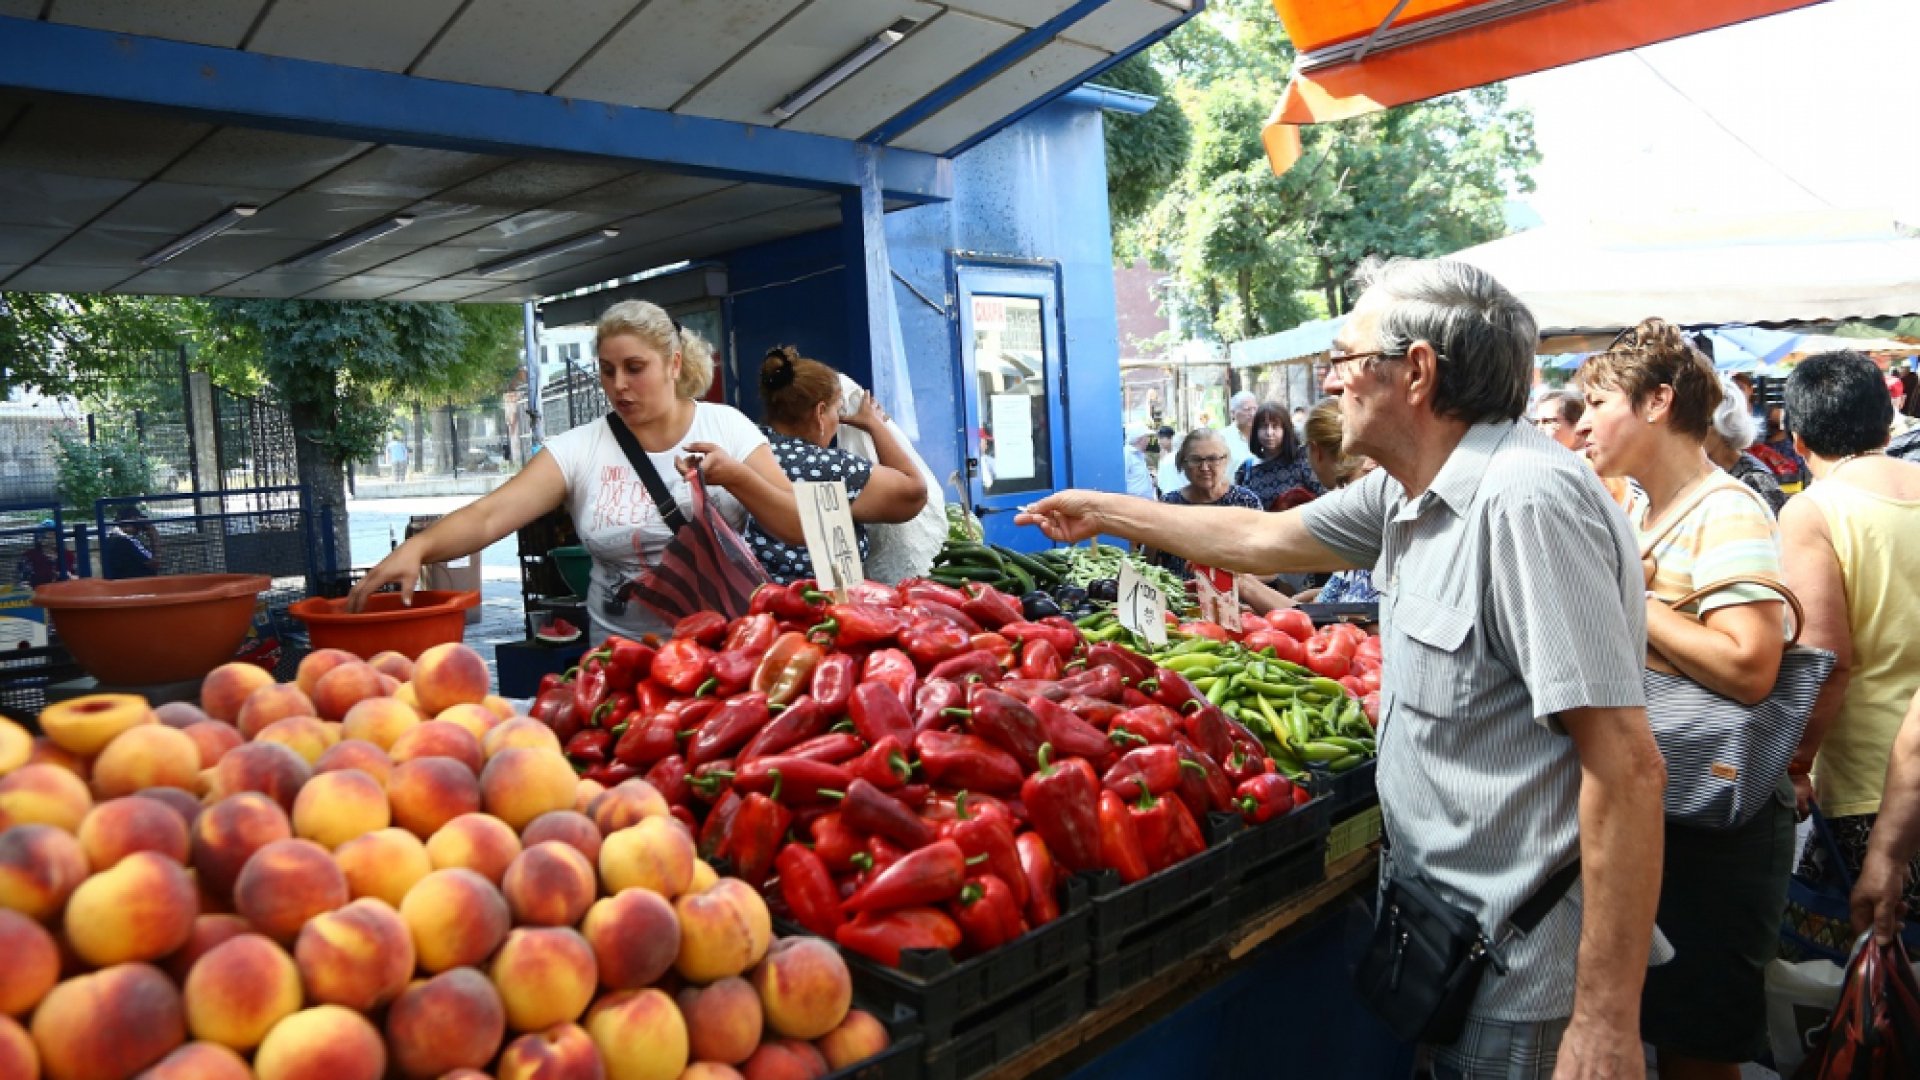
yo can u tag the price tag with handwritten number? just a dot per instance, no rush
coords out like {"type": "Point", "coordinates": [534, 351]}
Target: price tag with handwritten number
{"type": "Point", "coordinates": [826, 519]}
{"type": "Point", "coordinates": [1142, 607]}
{"type": "Point", "coordinates": [1219, 597]}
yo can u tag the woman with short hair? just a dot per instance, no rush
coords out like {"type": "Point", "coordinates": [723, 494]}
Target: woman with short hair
{"type": "Point", "coordinates": [1203, 460]}
{"type": "Point", "coordinates": [1734, 430]}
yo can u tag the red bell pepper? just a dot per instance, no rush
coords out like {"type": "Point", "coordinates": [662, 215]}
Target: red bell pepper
{"type": "Point", "coordinates": [884, 765]}
{"type": "Point", "coordinates": [708, 628]}
{"type": "Point", "coordinates": [936, 697]}
{"type": "Point", "coordinates": [894, 669]}
{"type": "Point", "coordinates": [590, 687]}
{"type": "Point", "coordinates": [833, 682]}
{"type": "Point", "coordinates": [1006, 722]}
{"type": "Point", "coordinates": [682, 665]}
{"type": "Point", "coordinates": [1148, 725]}
{"type": "Point", "coordinates": [553, 679]}
{"type": "Point", "coordinates": [615, 711]}
{"type": "Point", "coordinates": [966, 761]}
{"type": "Point", "coordinates": [1144, 768]}
{"type": "Point", "coordinates": [1102, 683]}
{"type": "Point", "coordinates": [944, 807]}
{"type": "Point", "coordinates": [876, 854]}
{"type": "Point", "coordinates": [946, 613]}
{"type": "Point", "coordinates": [1207, 728]}
{"type": "Point", "coordinates": [1000, 647]}
{"type": "Point", "coordinates": [974, 665]}
{"type": "Point", "coordinates": [1185, 840]}
{"type": "Point", "coordinates": [648, 739]}
{"type": "Point", "coordinates": [1063, 800]}
{"type": "Point", "coordinates": [589, 747]}
{"type": "Point", "coordinates": [713, 831]}
{"type": "Point", "coordinates": [1175, 691]}
{"type": "Point", "coordinates": [784, 672]}
{"type": "Point", "coordinates": [798, 602]}
{"type": "Point", "coordinates": [669, 775]}
{"type": "Point", "coordinates": [850, 626]}
{"type": "Point", "coordinates": [1094, 711]}
{"type": "Point", "coordinates": [868, 591]}
{"type": "Point", "coordinates": [929, 641]}
{"type": "Point", "coordinates": [1204, 785]}
{"type": "Point", "coordinates": [751, 634]}
{"type": "Point", "coordinates": [1242, 766]}
{"type": "Point", "coordinates": [1264, 797]}
{"type": "Point", "coordinates": [1131, 698]}
{"type": "Point", "coordinates": [870, 810]}
{"type": "Point", "coordinates": [990, 607]}
{"type": "Point", "coordinates": [755, 836]}
{"type": "Point", "coordinates": [793, 725]}
{"type": "Point", "coordinates": [1070, 735]}
{"type": "Point", "coordinates": [988, 914]}
{"type": "Point", "coordinates": [992, 837]}
{"type": "Point", "coordinates": [833, 748]}
{"type": "Point", "coordinates": [1120, 849]}
{"type": "Point", "coordinates": [794, 781]}
{"type": "Point", "coordinates": [834, 841]}
{"type": "Point", "coordinates": [1133, 667]}
{"type": "Point", "coordinates": [610, 773]}
{"type": "Point", "coordinates": [1024, 688]}
{"type": "Point", "coordinates": [883, 936]}
{"type": "Point", "coordinates": [1065, 641]}
{"type": "Point", "coordinates": [1043, 879]}
{"type": "Point", "coordinates": [877, 713]}
{"type": "Point", "coordinates": [712, 780]}
{"type": "Point", "coordinates": [554, 708]}
{"type": "Point", "coordinates": [1153, 821]}
{"type": "Point", "coordinates": [930, 875]}
{"type": "Point", "coordinates": [1039, 660]}
{"type": "Point", "coordinates": [913, 590]}
{"type": "Point", "coordinates": [739, 719]}
{"type": "Point", "coordinates": [808, 889]}
{"type": "Point", "coordinates": [733, 672]}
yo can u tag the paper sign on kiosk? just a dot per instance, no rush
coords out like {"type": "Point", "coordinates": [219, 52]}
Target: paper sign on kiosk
{"type": "Point", "coordinates": [826, 520]}
{"type": "Point", "coordinates": [1141, 607]}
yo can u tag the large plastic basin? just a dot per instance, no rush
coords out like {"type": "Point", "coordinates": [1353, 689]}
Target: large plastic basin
{"type": "Point", "coordinates": [146, 631]}
{"type": "Point", "coordinates": [576, 567]}
{"type": "Point", "coordinates": [435, 618]}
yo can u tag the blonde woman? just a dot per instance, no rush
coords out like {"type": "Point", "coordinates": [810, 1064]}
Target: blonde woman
{"type": "Point", "coordinates": [654, 372]}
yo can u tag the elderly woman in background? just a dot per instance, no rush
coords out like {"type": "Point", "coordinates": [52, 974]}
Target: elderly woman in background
{"type": "Point", "coordinates": [1278, 465]}
{"type": "Point", "coordinates": [1734, 430]}
{"type": "Point", "coordinates": [1203, 459]}
{"type": "Point", "coordinates": [1852, 542]}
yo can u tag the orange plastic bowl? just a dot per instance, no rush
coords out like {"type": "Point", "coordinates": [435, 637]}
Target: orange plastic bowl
{"type": "Point", "coordinates": [145, 631]}
{"type": "Point", "coordinates": [435, 618]}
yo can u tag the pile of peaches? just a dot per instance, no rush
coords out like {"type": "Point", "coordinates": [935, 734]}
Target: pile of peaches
{"type": "Point", "coordinates": [377, 870]}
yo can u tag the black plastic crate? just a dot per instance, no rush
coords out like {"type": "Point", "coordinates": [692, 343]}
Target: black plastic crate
{"type": "Point", "coordinates": [1277, 881]}
{"type": "Point", "coordinates": [1149, 952]}
{"type": "Point", "coordinates": [1258, 845]}
{"type": "Point", "coordinates": [901, 1059]}
{"type": "Point", "coordinates": [1121, 913]}
{"type": "Point", "coordinates": [991, 1040]}
{"type": "Point", "coordinates": [1353, 790]}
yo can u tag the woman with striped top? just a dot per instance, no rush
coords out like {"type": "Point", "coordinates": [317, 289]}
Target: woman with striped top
{"type": "Point", "coordinates": [1650, 402]}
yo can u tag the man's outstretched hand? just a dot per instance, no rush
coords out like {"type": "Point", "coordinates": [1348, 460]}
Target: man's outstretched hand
{"type": "Point", "coordinates": [1067, 517]}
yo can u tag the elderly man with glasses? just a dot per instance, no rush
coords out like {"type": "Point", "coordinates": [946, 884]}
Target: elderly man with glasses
{"type": "Point", "coordinates": [1555, 413]}
{"type": "Point", "coordinates": [1516, 763]}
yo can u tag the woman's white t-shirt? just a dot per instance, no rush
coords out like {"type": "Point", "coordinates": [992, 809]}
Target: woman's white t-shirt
{"type": "Point", "coordinates": [616, 517]}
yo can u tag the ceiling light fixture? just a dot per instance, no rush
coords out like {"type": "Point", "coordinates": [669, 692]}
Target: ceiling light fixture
{"type": "Point", "coordinates": [845, 69]}
{"type": "Point", "coordinates": [511, 262]}
{"type": "Point", "coordinates": [227, 219]}
{"type": "Point", "coordinates": [352, 240]}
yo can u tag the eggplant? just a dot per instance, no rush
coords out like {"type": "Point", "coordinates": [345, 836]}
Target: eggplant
{"type": "Point", "coordinates": [1037, 605]}
{"type": "Point", "coordinates": [1107, 589]}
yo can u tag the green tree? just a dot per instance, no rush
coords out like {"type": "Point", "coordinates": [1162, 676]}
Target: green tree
{"type": "Point", "coordinates": [1144, 153]}
{"type": "Point", "coordinates": [68, 346]}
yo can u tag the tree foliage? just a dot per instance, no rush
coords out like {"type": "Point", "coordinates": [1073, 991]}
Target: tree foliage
{"type": "Point", "coordinates": [111, 466]}
{"type": "Point", "coordinates": [1144, 153]}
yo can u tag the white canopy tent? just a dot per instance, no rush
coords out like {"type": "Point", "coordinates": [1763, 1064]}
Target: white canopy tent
{"type": "Point", "coordinates": [1789, 268]}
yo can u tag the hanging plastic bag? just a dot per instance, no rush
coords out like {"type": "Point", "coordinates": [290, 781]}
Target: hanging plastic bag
{"type": "Point", "coordinates": [896, 552]}
{"type": "Point", "coordinates": [1800, 997]}
{"type": "Point", "coordinates": [1874, 1031]}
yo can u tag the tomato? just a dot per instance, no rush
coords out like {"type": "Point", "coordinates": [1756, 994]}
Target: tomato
{"type": "Point", "coordinates": [1283, 646]}
{"type": "Point", "coordinates": [1206, 630]}
{"type": "Point", "coordinates": [1347, 632]}
{"type": "Point", "coordinates": [1291, 621]}
{"type": "Point", "coordinates": [1330, 665]}
{"type": "Point", "coordinates": [1368, 649]}
{"type": "Point", "coordinates": [1332, 645]}
{"type": "Point", "coordinates": [1355, 687]}
{"type": "Point", "coordinates": [1370, 681]}
{"type": "Point", "coordinates": [1301, 796]}
{"type": "Point", "coordinates": [1370, 704]}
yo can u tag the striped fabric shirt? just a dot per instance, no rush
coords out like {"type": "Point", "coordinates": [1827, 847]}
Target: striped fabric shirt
{"type": "Point", "coordinates": [1510, 591]}
{"type": "Point", "coordinates": [1729, 533]}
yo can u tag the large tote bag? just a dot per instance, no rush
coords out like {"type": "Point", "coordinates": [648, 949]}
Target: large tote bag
{"type": "Point", "coordinates": [706, 566]}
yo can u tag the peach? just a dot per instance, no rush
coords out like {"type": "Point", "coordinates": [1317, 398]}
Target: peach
{"type": "Point", "coordinates": [119, 827]}
{"type": "Point", "coordinates": [317, 664]}
{"type": "Point", "coordinates": [394, 665]}
{"type": "Point", "coordinates": [405, 695]}
{"type": "Point", "coordinates": [430, 792]}
{"type": "Point", "coordinates": [570, 827]}
{"type": "Point", "coordinates": [33, 963]}
{"type": "Point", "coordinates": [141, 908]}
{"type": "Point", "coordinates": [179, 800]}
{"type": "Point", "coordinates": [46, 753]}
{"type": "Point", "coordinates": [711, 1070]}
{"type": "Point", "coordinates": [641, 1035]}
{"type": "Point", "coordinates": [546, 975]}
{"type": "Point", "coordinates": [519, 785]}
{"type": "Point", "coordinates": [180, 714]}
{"type": "Point", "coordinates": [228, 834]}
{"type": "Point", "coordinates": [150, 755]}
{"type": "Point", "coordinates": [44, 795]}
{"type": "Point", "coordinates": [704, 876]}
{"type": "Point", "coordinates": [85, 725]}
{"type": "Point", "coordinates": [213, 738]}
{"type": "Point", "coordinates": [499, 706]}
{"type": "Point", "coordinates": [525, 733]}
{"type": "Point", "coordinates": [286, 883]}
{"type": "Point", "coordinates": [18, 1057]}
{"type": "Point", "coordinates": [562, 1052]}
{"type": "Point", "coordinates": [40, 866]}
{"type": "Point", "coordinates": [308, 736]}
{"type": "Point", "coordinates": [723, 1020]}
{"type": "Point", "coordinates": [322, 1043]}
{"type": "Point", "coordinates": [226, 689]}
{"type": "Point", "coordinates": [16, 745]}
{"type": "Point", "coordinates": [200, 1061]}
{"type": "Point", "coordinates": [585, 792]}
{"type": "Point", "coordinates": [635, 937]}
{"type": "Point", "coordinates": [457, 919]}
{"type": "Point", "coordinates": [336, 807]}
{"type": "Point", "coordinates": [549, 884]}
{"type": "Point", "coordinates": [379, 721]}
{"type": "Point", "coordinates": [448, 675]}
{"type": "Point", "coordinates": [108, 1025]}
{"type": "Point", "coordinates": [357, 754]}
{"type": "Point", "coordinates": [656, 854]}
{"type": "Point", "coordinates": [477, 842]}
{"type": "Point", "coordinates": [716, 936]}
{"type": "Point", "coordinates": [804, 987]}
{"type": "Point", "coordinates": [860, 1036]}
{"type": "Point", "coordinates": [238, 990]}
{"type": "Point", "coordinates": [344, 687]}
{"type": "Point", "coordinates": [360, 956]}
{"type": "Point", "coordinates": [438, 738]}
{"type": "Point", "coordinates": [270, 703]}
{"type": "Point", "coordinates": [476, 719]}
{"type": "Point", "coordinates": [785, 1059]}
{"type": "Point", "coordinates": [451, 1021]}
{"type": "Point", "coordinates": [209, 931]}
{"type": "Point", "coordinates": [383, 864]}
{"type": "Point", "coordinates": [265, 767]}
{"type": "Point", "coordinates": [627, 804]}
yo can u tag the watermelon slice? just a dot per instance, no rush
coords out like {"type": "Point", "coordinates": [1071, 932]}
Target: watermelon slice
{"type": "Point", "coordinates": [558, 632]}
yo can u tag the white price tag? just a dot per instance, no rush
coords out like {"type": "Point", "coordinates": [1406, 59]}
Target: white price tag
{"type": "Point", "coordinates": [1219, 597]}
{"type": "Point", "coordinates": [1141, 606]}
{"type": "Point", "coordinates": [826, 519]}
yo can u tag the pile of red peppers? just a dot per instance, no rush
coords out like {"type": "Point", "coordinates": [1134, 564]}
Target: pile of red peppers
{"type": "Point", "coordinates": [918, 767]}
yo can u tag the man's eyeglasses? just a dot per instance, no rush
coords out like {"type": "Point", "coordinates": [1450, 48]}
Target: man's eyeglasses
{"type": "Point", "coordinates": [1546, 421]}
{"type": "Point", "coordinates": [1348, 365]}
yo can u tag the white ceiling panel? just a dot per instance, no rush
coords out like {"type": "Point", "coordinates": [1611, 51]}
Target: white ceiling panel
{"type": "Point", "coordinates": [930, 56]}
{"type": "Point", "coordinates": [313, 216]}
{"type": "Point", "coordinates": [657, 57]}
{"type": "Point", "coordinates": [22, 243]}
{"type": "Point", "coordinates": [276, 283]}
{"type": "Point", "coordinates": [380, 34]}
{"type": "Point", "coordinates": [28, 197]}
{"type": "Point", "coordinates": [1120, 24]}
{"type": "Point", "coordinates": [404, 172]}
{"type": "Point", "coordinates": [265, 158]}
{"type": "Point", "coordinates": [538, 44]}
{"type": "Point", "coordinates": [1022, 12]}
{"type": "Point", "coordinates": [359, 260]}
{"type": "Point", "coordinates": [1054, 66]}
{"type": "Point", "coordinates": [444, 291]}
{"type": "Point", "coordinates": [533, 183]}
{"type": "Point", "coordinates": [643, 192]}
{"type": "Point", "coordinates": [807, 45]}
{"type": "Point", "coordinates": [430, 262]}
{"type": "Point", "coordinates": [534, 228]}
{"type": "Point", "coordinates": [120, 144]}
{"type": "Point", "coordinates": [66, 279]}
{"type": "Point", "coordinates": [435, 221]}
{"type": "Point", "coordinates": [237, 251]}
{"type": "Point", "coordinates": [203, 22]}
{"type": "Point", "coordinates": [745, 200]}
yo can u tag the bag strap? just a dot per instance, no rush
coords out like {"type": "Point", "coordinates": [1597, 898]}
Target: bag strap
{"type": "Point", "coordinates": [643, 467]}
{"type": "Point", "coordinates": [1793, 602]}
{"type": "Point", "coordinates": [1529, 914]}
{"type": "Point", "coordinates": [1679, 514]}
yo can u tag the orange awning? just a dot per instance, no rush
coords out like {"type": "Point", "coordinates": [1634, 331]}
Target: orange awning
{"type": "Point", "coordinates": [1360, 56]}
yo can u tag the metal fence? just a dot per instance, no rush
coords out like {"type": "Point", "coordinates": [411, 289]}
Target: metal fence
{"type": "Point", "coordinates": [445, 439]}
{"type": "Point", "coordinates": [254, 439]}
